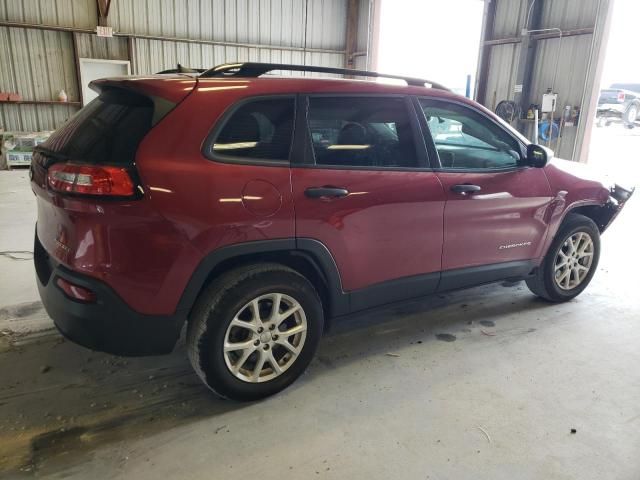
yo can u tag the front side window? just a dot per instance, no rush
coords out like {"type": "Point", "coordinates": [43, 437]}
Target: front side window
{"type": "Point", "coordinates": [467, 140]}
{"type": "Point", "coordinates": [260, 129]}
{"type": "Point", "coordinates": [361, 132]}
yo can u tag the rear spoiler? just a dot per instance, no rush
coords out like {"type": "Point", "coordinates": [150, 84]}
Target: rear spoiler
{"type": "Point", "coordinates": [158, 87]}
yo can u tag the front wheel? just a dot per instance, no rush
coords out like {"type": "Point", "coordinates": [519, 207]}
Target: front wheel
{"type": "Point", "coordinates": [570, 262]}
{"type": "Point", "coordinates": [254, 331]}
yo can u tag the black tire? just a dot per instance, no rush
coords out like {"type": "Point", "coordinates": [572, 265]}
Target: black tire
{"type": "Point", "coordinates": [214, 311]}
{"type": "Point", "coordinates": [630, 116]}
{"type": "Point", "coordinates": [543, 283]}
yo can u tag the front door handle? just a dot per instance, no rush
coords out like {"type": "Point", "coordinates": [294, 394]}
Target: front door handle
{"type": "Point", "coordinates": [465, 188]}
{"type": "Point", "coordinates": [326, 191]}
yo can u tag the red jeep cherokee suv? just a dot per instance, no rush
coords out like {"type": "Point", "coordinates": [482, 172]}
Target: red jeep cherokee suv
{"type": "Point", "coordinates": [255, 209]}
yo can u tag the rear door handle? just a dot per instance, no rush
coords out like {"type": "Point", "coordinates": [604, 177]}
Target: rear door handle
{"type": "Point", "coordinates": [326, 191]}
{"type": "Point", "coordinates": [465, 188]}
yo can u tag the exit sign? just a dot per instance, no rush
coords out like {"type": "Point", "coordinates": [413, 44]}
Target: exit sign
{"type": "Point", "coordinates": [104, 31]}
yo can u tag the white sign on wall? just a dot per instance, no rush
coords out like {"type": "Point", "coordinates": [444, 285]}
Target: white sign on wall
{"type": "Point", "coordinates": [104, 31]}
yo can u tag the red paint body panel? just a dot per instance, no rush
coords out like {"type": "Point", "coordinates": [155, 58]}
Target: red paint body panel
{"type": "Point", "coordinates": [127, 245]}
{"type": "Point", "coordinates": [572, 185]}
{"type": "Point", "coordinates": [388, 227]}
{"type": "Point", "coordinates": [147, 249]}
{"type": "Point", "coordinates": [511, 209]}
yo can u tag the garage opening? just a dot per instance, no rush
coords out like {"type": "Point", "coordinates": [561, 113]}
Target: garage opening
{"type": "Point", "coordinates": [434, 42]}
{"type": "Point", "coordinates": [615, 138]}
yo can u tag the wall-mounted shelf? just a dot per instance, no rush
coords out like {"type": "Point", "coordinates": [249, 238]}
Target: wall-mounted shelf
{"type": "Point", "coordinates": [41, 102]}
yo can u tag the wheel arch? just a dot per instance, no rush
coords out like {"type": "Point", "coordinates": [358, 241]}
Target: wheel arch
{"type": "Point", "coordinates": [308, 257]}
{"type": "Point", "coordinates": [602, 215]}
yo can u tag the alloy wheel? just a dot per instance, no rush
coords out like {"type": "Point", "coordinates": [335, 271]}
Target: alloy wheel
{"type": "Point", "coordinates": [265, 337]}
{"type": "Point", "coordinates": [573, 260]}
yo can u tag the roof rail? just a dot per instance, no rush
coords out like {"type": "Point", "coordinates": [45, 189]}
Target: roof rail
{"type": "Point", "coordinates": [252, 69]}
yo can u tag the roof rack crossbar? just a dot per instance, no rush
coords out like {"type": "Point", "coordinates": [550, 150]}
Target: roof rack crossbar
{"type": "Point", "coordinates": [252, 69]}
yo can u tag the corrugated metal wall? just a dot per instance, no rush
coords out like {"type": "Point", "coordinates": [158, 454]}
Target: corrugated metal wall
{"type": "Point", "coordinates": [503, 60]}
{"type": "Point", "coordinates": [571, 55]}
{"type": "Point", "coordinates": [91, 46]}
{"type": "Point", "coordinates": [67, 13]}
{"type": "Point", "coordinates": [157, 55]}
{"type": "Point", "coordinates": [262, 26]}
{"type": "Point", "coordinates": [38, 63]}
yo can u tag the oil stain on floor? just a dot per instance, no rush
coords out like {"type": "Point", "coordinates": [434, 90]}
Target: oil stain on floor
{"type": "Point", "coordinates": [446, 337]}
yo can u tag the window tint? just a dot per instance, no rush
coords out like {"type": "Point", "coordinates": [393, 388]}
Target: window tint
{"type": "Point", "coordinates": [465, 139]}
{"type": "Point", "coordinates": [260, 129]}
{"type": "Point", "coordinates": [361, 132]}
{"type": "Point", "coordinates": [108, 130]}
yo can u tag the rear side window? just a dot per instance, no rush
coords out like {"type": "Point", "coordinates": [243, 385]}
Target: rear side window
{"type": "Point", "coordinates": [260, 129]}
{"type": "Point", "coordinates": [361, 132]}
{"type": "Point", "coordinates": [108, 130]}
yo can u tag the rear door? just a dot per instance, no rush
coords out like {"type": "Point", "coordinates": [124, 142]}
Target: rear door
{"type": "Point", "coordinates": [364, 190]}
{"type": "Point", "coordinates": [495, 210]}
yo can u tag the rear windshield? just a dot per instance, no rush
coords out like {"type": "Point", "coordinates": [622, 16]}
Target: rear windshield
{"type": "Point", "coordinates": [107, 131]}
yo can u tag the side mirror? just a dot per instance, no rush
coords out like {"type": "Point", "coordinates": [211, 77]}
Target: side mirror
{"type": "Point", "coordinates": [538, 156]}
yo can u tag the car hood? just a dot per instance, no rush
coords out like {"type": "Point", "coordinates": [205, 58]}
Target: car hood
{"type": "Point", "coordinates": [583, 182]}
{"type": "Point", "coordinates": [580, 170]}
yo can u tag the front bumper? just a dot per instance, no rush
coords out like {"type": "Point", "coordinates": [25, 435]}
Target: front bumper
{"type": "Point", "coordinates": [107, 325]}
{"type": "Point", "coordinates": [607, 213]}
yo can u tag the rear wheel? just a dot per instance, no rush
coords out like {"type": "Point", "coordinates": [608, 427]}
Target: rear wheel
{"type": "Point", "coordinates": [570, 262]}
{"type": "Point", "coordinates": [254, 331]}
{"type": "Point", "coordinates": [630, 116]}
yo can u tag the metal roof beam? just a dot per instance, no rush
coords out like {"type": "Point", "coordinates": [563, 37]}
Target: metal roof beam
{"type": "Point", "coordinates": [540, 36]}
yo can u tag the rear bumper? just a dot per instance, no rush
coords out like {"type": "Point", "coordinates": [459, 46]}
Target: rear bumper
{"type": "Point", "coordinates": [108, 325]}
{"type": "Point", "coordinates": [615, 109]}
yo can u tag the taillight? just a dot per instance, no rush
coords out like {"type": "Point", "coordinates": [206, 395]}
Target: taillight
{"type": "Point", "coordinates": [621, 97]}
{"type": "Point", "coordinates": [90, 180]}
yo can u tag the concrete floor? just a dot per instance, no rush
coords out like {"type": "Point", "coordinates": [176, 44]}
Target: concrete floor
{"type": "Point", "coordinates": [496, 397]}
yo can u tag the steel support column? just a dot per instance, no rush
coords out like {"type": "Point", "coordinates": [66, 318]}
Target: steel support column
{"type": "Point", "coordinates": [528, 47]}
{"type": "Point", "coordinates": [488, 19]}
{"type": "Point", "coordinates": [351, 40]}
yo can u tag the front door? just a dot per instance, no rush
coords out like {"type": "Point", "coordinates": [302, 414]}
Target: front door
{"type": "Point", "coordinates": [495, 209]}
{"type": "Point", "coordinates": [366, 193]}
